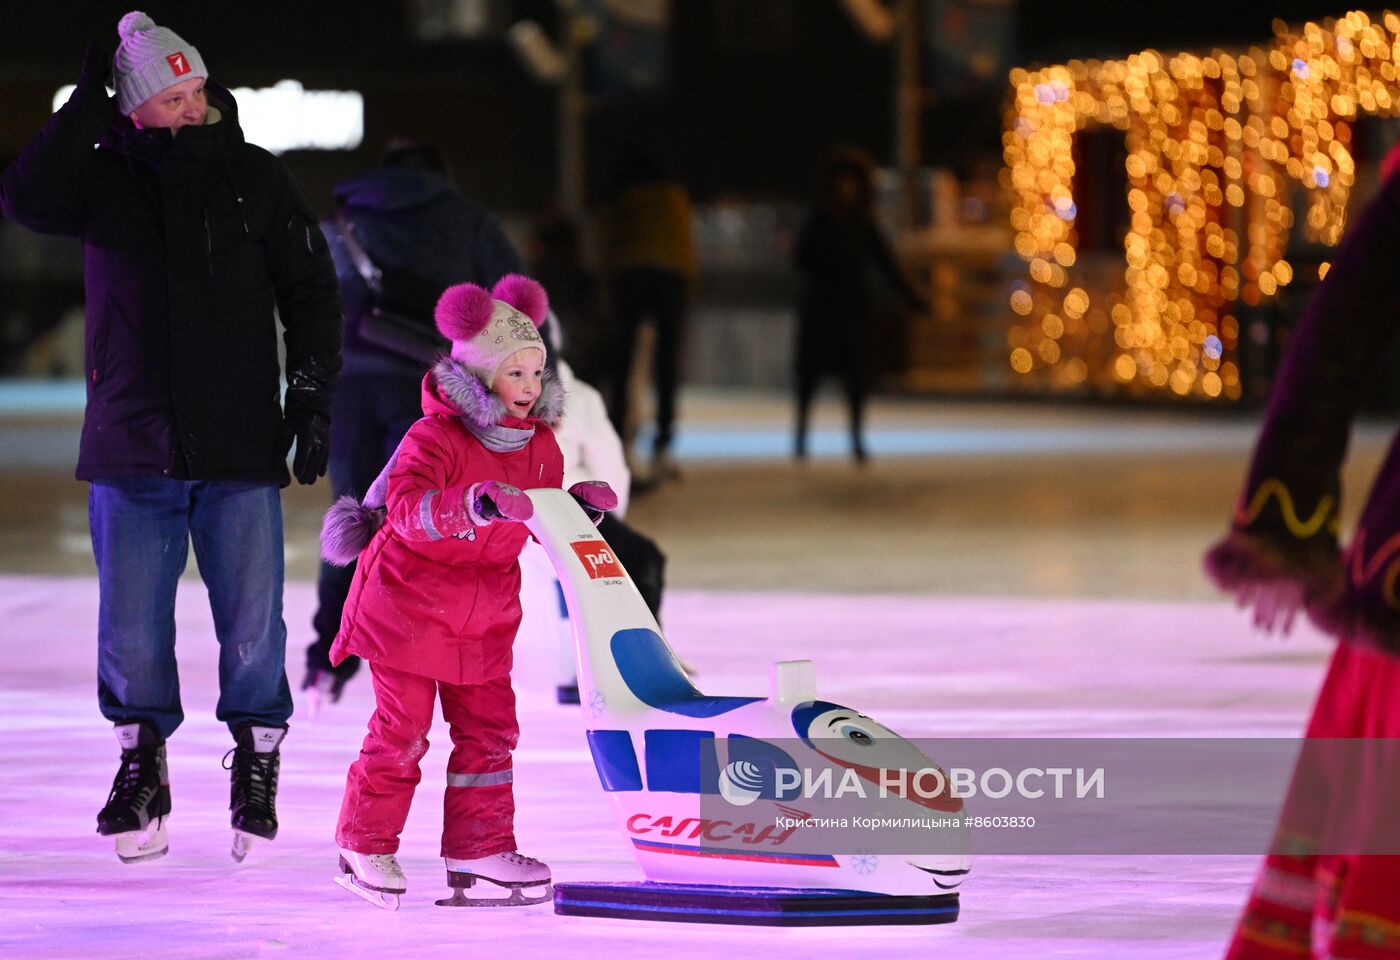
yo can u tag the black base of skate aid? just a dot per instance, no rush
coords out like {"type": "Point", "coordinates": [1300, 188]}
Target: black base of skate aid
{"type": "Point", "coordinates": [750, 906]}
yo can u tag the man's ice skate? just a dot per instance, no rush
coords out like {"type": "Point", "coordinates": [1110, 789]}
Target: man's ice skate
{"type": "Point", "coordinates": [377, 877]}
{"type": "Point", "coordinates": [503, 880]}
{"type": "Point", "coordinates": [139, 801]}
{"type": "Point", "coordinates": [253, 786]}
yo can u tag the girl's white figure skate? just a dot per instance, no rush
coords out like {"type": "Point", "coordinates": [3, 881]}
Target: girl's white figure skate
{"type": "Point", "coordinates": [375, 876]}
{"type": "Point", "coordinates": [502, 880]}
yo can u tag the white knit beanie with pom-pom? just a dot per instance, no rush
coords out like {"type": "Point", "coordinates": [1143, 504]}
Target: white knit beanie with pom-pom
{"type": "Point", "coordinates": [149, 59]}
{"type": "Point", "coordinates": [486, 327]}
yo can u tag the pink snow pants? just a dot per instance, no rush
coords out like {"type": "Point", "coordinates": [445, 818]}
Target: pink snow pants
{"type": "Point", "coordinates": [479, 805]}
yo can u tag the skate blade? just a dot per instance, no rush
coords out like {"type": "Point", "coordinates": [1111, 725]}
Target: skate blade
{"type": "Point", "coordinates": [138, 846]}
{"type": "Point", "coordinates": [489, 893]}
{"type": "Point", "coordinates": [385, 901]}
{"type": "Point", "coordinates": [242, 843]}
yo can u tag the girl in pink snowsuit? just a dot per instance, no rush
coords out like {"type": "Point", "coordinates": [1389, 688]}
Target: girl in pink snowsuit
{"type": "Point", "coordinates": [434, 604]}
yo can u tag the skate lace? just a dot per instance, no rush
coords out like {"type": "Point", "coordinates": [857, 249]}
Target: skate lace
{"type": "Point", "coordinates": [519, 859]}
{"type": "Point", "coordinates": [138, 777]}
{"type": "Point", "coordinates": [254, 777]}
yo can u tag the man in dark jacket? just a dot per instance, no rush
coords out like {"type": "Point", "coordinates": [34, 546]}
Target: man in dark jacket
{"type": "Point", "coordinates": [407, 221]}
{"type": "Point", "coordinates": [191, 237]}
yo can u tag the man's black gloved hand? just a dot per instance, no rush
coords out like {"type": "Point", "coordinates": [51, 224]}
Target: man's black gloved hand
{"type": "Point", "coordinates": [312, 432]}
{"type": "Point", "coordinates": [97, 67]}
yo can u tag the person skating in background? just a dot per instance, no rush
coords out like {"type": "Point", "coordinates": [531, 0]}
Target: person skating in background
{"type": "Point", "coordinates": [1322, 891]}
{"type": "Point", "coordinates": [556, 260]}
{"type": "Point", "coordinates": [192, 236]}
{"type": "Point", "coordinates": [434, 604]}
{"type": "Point", "coordinates": [839, 249]}
{"type": "Point", "coordinates": [421, 235]}
{"type": "Point", "coordinates": [648, 249]}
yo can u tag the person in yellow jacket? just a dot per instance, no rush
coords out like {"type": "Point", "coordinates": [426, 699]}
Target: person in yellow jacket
{"type": "Point", "coordinates": [649, 255]}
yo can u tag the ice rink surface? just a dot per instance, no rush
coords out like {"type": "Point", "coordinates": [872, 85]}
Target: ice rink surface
{"type": "Point", "coordinates": [942, 667]}
{"type": "Point", "coordinates": [967, 583]}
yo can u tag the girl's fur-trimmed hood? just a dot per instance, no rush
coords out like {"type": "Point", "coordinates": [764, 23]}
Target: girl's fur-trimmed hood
{"type": "Point", "coordinates": [474, 401]}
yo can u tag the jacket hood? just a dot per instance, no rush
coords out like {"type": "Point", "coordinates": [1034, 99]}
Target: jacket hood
{"type": "Point", "coordinates": [393, 190]}
{"type": "Point", "coordinates": [219, 132]}
{"type": "Point", "coordinates": [450, 389]}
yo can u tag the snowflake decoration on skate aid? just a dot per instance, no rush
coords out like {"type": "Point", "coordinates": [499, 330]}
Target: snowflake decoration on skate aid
{"type": "Point", "coordinates": [865, 862]}
{"type": "Point", "coordinates": [597, 704]}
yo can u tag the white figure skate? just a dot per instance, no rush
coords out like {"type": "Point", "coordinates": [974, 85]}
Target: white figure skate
{"type": "Point", "coordinates": [318, 692]}
{"type": "Point", "coordinates": [377, 877]}
{"type": "Point", "coordinates": [503, 880]}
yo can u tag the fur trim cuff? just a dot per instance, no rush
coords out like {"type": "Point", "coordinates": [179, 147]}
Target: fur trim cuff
{"type": "Point", "coordinates": [1243, 559]}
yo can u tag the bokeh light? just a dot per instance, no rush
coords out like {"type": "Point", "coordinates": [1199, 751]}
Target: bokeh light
{"type": "Point", "coordinates": [1217, 145]}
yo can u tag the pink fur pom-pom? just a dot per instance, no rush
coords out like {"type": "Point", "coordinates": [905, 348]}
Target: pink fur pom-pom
{"type": "Point", "coordinates": [463, 311]}
{"type": "Point", "coordinates": [523, 294]}
{"type": "Point", "coordinates": [348, 528]}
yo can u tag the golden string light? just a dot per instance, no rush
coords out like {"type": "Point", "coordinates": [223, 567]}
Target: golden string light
{"type": "Point", "coordinates": [1215, 146]}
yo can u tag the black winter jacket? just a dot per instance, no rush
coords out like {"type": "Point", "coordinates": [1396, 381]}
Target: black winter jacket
{"type": "Point", "coordinates": [414, 220]}
{"type": "Point", "coordinates": [189, 242]}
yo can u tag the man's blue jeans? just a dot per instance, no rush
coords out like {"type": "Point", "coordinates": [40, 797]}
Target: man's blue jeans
{"type": "Point", "coordinates": [141, 531]}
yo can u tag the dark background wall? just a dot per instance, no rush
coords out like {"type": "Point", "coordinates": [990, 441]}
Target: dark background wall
{"type": "Point", "coordinates": [1049, 31]}
{"type": "Point", "coordinates": [757, 87]}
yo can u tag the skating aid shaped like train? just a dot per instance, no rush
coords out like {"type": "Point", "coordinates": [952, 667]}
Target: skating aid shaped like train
{"type": "Point", "coordinates": [696, 781]}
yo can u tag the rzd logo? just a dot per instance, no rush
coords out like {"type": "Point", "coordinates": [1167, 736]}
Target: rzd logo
{"type": "Point", "coordinates": [598, 559]}
{"type": "Point", "coordinates": [178, 63]}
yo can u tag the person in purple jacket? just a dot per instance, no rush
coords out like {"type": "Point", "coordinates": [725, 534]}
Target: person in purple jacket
{"type": "Point", "coordinates": [195, 241]}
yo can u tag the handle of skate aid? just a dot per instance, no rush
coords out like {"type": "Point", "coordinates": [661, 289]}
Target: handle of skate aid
{"type": "Point", "coordinates": [491, 500]}
{"type": "Point", "coordinates": [596, 497]}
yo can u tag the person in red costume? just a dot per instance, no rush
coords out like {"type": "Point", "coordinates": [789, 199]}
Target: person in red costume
{"type": "Point", "coordinates": [434, 604]}
{"type": "Point", "coordinates": [1326, 888]}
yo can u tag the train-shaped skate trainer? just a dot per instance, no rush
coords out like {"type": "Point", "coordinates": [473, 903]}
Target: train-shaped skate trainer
{"type": "Point", "coordinates": [692, 777]}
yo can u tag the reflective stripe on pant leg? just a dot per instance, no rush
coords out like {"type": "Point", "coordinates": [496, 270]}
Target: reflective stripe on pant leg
{"type": "Point", "coordinates": [479, 803]}
{"type": "Point", "coordinates": [480, 779]}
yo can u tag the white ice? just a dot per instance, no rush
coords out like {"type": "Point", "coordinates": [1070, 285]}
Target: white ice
{"type": "Point", "coordinates": [975, 667]}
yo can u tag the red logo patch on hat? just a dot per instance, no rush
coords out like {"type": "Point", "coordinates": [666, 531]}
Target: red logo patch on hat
{"type": "Point", "coordinates": [179, 63]}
